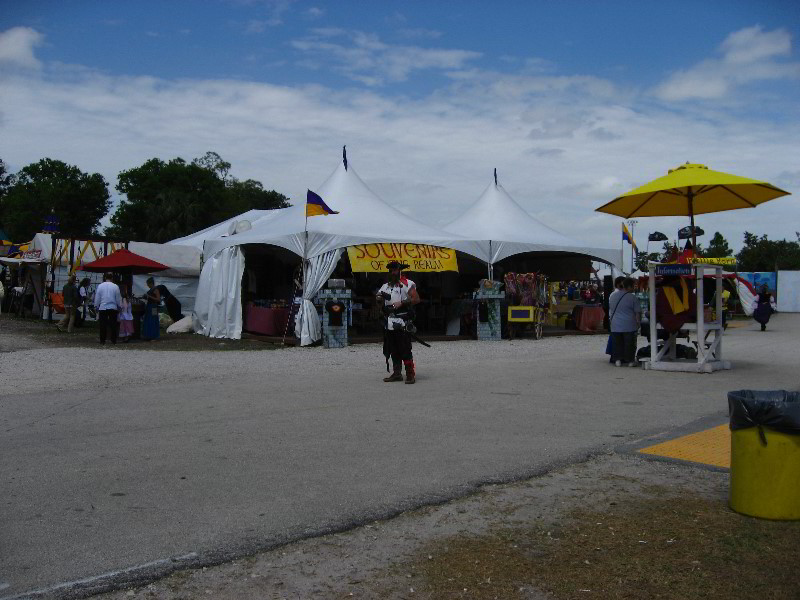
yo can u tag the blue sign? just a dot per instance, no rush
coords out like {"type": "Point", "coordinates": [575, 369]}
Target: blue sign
{"type": "Point", "coordinates": [674, 270]}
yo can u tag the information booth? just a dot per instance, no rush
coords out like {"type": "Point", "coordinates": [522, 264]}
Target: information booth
{"type": "Point", "coordinates": [706, 330]}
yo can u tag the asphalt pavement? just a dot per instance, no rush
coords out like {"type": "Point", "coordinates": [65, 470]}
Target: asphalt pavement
{"type": "Point", "coordinates": [109, 483]}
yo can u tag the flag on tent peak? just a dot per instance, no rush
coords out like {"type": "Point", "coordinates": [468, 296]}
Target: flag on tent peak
{"type": "Point", "coordinates": [315, 206]}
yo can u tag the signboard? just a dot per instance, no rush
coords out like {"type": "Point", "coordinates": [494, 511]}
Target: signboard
{"type": "Point", "coordinates": [674, 269]}
{"type": "Point", "coordinates": [420, 258]}
{"type": "Point", "coordinates": [32, 254]}
{"type": "Point", "coordinates": [727, 260]}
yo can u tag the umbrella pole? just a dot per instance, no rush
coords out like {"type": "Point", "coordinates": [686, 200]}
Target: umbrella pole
{"type": "Point", "coordinates": [691, 216]}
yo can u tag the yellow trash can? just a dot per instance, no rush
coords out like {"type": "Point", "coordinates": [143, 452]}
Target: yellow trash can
{"type": "Point", "coordinates": [765, 453]}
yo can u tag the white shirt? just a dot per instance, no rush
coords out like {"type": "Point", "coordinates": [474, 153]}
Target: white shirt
{"type": "Point", "coordinates": [399, 292]}
{"type": "Point", "coordinates": [107, 296]}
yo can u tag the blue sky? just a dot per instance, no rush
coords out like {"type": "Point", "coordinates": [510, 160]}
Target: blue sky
{"type": "Point", "coordinates": [573, 102]}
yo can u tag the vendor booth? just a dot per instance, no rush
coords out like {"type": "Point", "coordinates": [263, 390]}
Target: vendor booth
{"type": "Point", "coordinates": [677, 309]}
{"type": "Point", "coordinates": [337, 245]}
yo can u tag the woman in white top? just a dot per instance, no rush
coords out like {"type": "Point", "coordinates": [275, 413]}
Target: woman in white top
{"type": "Point", "coordinates": [125, 317]}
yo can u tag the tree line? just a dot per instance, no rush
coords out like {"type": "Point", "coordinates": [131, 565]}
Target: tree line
{"type": "Point", "coordinates": [758, 253]}
{"type": "Point", "coordinates": [160, 201]}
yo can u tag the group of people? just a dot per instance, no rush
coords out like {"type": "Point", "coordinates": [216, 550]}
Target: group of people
{"type": "Point", "coordinates": [675, 305]}
{"type": "Point", "coordinates": [114, 305]}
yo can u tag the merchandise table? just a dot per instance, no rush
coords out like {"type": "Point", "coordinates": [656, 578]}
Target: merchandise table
{"type": "Point", "coordinates": [588, 317]}
{"type": "Point", "coordinates": [266, 321]}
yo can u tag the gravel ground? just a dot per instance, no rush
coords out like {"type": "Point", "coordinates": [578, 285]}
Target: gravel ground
{"type": "Point", "coordinates": [377, 560]}
{"type": "Point", "coordinates": [33, 361]}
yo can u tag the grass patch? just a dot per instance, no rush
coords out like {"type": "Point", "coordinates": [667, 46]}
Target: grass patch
{"type": "Point", "coordinates": [676, 547]}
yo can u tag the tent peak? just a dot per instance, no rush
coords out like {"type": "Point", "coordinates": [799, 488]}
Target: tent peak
{"type": "Point", "coordinates": [344, 156]}
{"type": "Point", "coordinates": [495, 175]}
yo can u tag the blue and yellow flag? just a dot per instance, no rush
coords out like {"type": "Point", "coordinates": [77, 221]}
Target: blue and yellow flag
{"type": "Point", "coordinates": [627, 237]}
{"type": "Point", "coordinates": [316, 206]}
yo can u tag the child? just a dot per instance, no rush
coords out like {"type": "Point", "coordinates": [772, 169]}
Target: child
{"type": "Point", "coordinates": [125, 317]}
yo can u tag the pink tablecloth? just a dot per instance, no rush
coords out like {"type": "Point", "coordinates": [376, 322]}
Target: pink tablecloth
{"type": "Point", "coordinates": [266, 321]}
{"type": "Point", "coordinates": [588, 317]}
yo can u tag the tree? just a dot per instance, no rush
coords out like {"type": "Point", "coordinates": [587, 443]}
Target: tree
{"type": "Point", "coordinates": [762, 254]}
{"type": "Point", "coordinates": [6, 181]}
{"type": "Point", "coordinates": [718, 247]}
{"type": "Point", "coordinates": [168, 200]}
{"type": "Point", "coordinates": [165, 201]}
{"type": "Point", "coordinates": [642, 258]}
{"type": "Point", "coordinates": [248, 194]}
{"type": "Point", "coordinates": [79, 200]}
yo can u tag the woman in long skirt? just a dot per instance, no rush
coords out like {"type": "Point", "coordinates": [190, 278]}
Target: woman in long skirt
{"type": "Point", "coordinates": [763, 307]}
{"type": "Point", "coordinates": [150, 325]}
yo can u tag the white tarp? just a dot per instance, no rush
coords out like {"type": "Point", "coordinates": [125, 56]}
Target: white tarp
{"type": "Point", "coordinates": [183, 261]}
{"type": "Point", "coordinates": [183, 288]}
{"type": "Point", "coordinates": [504, 228]}
{"type": "Point", "coordinates": [746, 295]}
{"type": "Point", "coordinates": [218, 308]}
{"type": "Point", "coordinates": [307, 326]}
{"type": "Point", "coordinates": [789, 291]}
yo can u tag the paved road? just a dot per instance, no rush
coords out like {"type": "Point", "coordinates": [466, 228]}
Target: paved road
{"type": "Point", "coordinates": [243, 451]}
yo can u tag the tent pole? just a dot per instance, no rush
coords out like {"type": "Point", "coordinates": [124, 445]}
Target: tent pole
{"type": "Point", "coordinates": [489, 265]}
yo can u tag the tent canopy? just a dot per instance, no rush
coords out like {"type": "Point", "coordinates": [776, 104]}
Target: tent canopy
{"type": "Point", "coordinates": [497, 217]}
{"type": "Point", "coordinates": [363, 219]}
{"type": "Point", "coordinates": [124, 261]}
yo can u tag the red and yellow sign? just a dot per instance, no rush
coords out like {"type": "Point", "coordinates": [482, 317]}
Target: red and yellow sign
{"type": "Point", "coordinates": [420, 258]}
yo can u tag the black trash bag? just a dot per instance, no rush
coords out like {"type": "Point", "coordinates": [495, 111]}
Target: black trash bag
{"type": "Point", "coordinates": [776, 409]}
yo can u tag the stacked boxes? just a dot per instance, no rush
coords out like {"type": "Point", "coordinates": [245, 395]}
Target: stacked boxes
{"type": "Point", "coordinates": [491, 328]}
{"type": "Point", "coordinates": [334, 336]}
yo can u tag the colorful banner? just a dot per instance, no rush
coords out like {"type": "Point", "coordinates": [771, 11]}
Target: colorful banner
{"type": "Point", "coordinates": [420, 258]}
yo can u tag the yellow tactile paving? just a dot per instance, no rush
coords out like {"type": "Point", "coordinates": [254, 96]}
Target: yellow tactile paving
{"type": "Point", "coordinates": [709, 447]}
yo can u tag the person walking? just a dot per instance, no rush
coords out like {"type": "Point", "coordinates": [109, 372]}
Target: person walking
{"type": "Point", "coordinates": [108, 302]}
{"type": "Point", "coordinates": [625, 314]}
{"type": "Point", "coordinates": [70, 296]}
{"type": "Point", "coordinates": [763, 307]}
{"type": "Point", "coordinates": [399, 295]}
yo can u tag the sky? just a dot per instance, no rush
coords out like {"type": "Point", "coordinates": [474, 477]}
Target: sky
{"type": "Point", "coordinates": [574, 103]}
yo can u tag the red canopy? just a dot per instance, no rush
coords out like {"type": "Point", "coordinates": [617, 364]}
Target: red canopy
{"type": "Point", "coordinates": [124, 261]}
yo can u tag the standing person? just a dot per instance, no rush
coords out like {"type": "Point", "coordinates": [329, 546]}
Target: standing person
{"type": "Point", "coordinates": [70, 294]}
{"type": "Point", "coordinates": [83, 301]}
{"type": "Point", "coordinates": [625, 314]}
{"type": "Point", "coordinates": [618, 285]}
{"type": "Point", "coordinates": [150, 325]}
{"type": "Point", "coordinates": [108, 301]}
{"type": "Point", "coordinates": [763, 307]}
{"type": "Point", "coordinates": [125, 315]}
{"type": "Point", "coordinates": [399, 294]}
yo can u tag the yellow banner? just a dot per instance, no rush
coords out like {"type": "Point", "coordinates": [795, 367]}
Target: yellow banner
{"type": "Point", "coordinates": [728, 260]}
{"type": "Point", "coordinates": [420, 258]}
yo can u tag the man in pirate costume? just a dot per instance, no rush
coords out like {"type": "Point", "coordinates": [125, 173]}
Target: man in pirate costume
{"type": "Point", "coordinates": [399, 296]}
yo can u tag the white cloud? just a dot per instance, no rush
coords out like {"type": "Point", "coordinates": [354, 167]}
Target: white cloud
{"type": "Point", "coordinates": [433, 156]}
{"type": "Point", "coordinates": [365, 58]}
{"type": "Point", "coordinates": [314, 12]}
{"type": "Point", "coordinates": [17, 45]}
{"type": "Point", "coordinates": [748, 55]}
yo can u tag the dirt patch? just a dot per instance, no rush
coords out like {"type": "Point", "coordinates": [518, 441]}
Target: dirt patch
{"type": "Point", "coordinates": [613, 527]}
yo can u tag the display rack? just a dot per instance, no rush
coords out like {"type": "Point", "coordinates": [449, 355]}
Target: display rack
{"type": "Point", "coordinates": [709, 352]}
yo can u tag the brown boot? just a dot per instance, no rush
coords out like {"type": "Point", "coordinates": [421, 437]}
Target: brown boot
{"type": "Point", "coordinates": [395, 376]}
{"type": "Point", "coordinates": [411, 376]}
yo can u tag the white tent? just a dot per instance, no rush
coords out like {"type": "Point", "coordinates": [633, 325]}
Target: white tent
{"type": "Point", "coordinates": [505, 229]}
{"type": "Point", "coordinates": [363, 218]}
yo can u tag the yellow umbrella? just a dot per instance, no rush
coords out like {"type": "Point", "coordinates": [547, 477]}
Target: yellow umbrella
{"type": "Point", "coordinates": [690, 190]}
